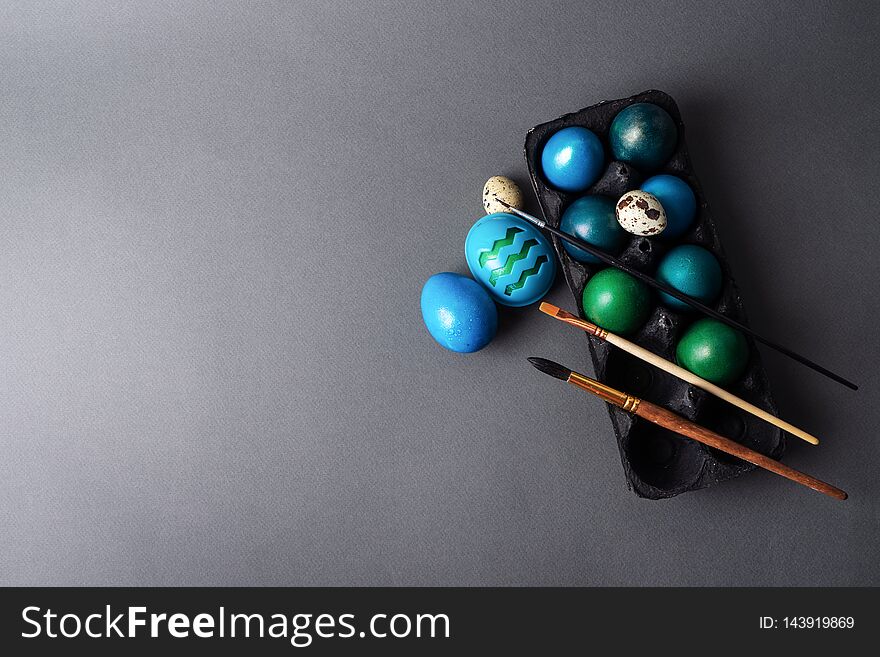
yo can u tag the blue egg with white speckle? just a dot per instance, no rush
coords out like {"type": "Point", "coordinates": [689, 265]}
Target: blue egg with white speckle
{"type": "Point", "coordinates": [458, 312]}
{"type": "Point", "coordinates": [677, 199]}
{"type": "Point", "coordinates": [644, 135]}
{"type": "Point", "coordinates": [593, 219]}
{"type": "Point", "coordinates": [572, 159]}
{"type": "Point", "coordinates": [511, 258]}
{"type": "Point", "coordinates": [693, 270]}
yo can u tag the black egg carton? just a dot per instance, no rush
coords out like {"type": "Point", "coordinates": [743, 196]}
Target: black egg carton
{"type": "Point", "coordinates": [659, 463]}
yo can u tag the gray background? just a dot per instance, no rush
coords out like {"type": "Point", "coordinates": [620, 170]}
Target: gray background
{"type": "Point", "coordinates": [216, 221]}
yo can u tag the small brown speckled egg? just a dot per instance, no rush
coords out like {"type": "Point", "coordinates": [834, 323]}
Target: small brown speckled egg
{"type": "Point", "coordinates": [640, 213]}
{"type": "Point", "coordinates": [504, 188]}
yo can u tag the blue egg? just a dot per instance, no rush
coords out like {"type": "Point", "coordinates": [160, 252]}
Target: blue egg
{"type": "Point", "coordinates": [511, 258]}
{"type": "Point", "coordinates": [692, 270]}
{"type": "Point", "coordinates": [677, 198]}
{"type": "Point", "coordinates": [643, 135]}
{"type": "Point", "coordinates": [572, 159]}
{"type": "Point", "coordinates": [458, 312]}
{"type": "Point", "coordinates": [592, 218]}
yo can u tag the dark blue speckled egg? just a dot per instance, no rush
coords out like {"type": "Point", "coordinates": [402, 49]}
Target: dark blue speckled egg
{"type": "Point", "coordinates": [643, 135]}
{"type": "Point", "coordinates": [458, 312]}
{"type": "Point", "coordinates": [677, 198]}
{"type": "Point", "coordinates": [593, 219]}
{"type": "Point", "coordinates": [693, 270]}
{"type": "Point", "coordinates": [572, 159]}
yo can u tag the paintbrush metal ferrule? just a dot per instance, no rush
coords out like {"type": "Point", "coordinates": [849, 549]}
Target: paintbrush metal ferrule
{"type": "Point", "coordinates": [605, 392]}
{"type": "Point", "coordinates": [540, 223]}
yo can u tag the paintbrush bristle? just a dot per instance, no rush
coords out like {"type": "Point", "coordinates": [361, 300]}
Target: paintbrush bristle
{"type": "Point", "coordinates": [555, 311]}
{"type": "Point", "coordinates": [550, 309]}
{"type": "Point", "coordinates": [551, 368]}
{"type": "Point", "coordinates": [502, 201]}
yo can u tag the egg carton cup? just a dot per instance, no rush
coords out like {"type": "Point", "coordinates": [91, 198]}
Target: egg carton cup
{"type": "Point", "coordinates": [659, 463]}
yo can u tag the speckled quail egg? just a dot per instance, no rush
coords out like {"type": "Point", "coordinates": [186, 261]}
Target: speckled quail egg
{"type": "Point", "coordinates": [641, 213]}
{"type": "Point", "coordinates": [501, 187]}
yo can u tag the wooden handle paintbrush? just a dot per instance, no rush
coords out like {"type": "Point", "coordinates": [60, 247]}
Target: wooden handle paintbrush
{"type": "Point", "coordinates": [608, 259]}
{"type": "Point", "coordinates": [674, 370]}
{"type": "Point", "coordinates": [669, 420]}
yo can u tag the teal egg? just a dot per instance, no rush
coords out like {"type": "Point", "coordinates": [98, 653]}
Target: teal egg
{"type": "Point", "coordinates": [511, 258]}
{"type": "Point", "coordinates": [643, 135]}
{"type": "Point", "coordinates": [677, 199]}
{"type": "Point", "coordinates": [458, 312]}
{"type": "Point", "coordinates": [592, 218]}
{"type": "Point", "coordinates": [693, 270]}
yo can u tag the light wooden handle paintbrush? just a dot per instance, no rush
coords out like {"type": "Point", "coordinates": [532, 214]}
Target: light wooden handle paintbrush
{"type": "Point", "coordinates": [674, 370]}
{"type": "Point", "coordinates": [669, 420]}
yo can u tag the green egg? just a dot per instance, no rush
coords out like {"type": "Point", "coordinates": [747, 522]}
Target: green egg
{"type": "Point", "coordinates": [714, 351]}
{"type": "Point", "coordinates": [616, 301]}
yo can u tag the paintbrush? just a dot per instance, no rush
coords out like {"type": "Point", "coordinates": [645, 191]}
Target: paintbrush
{"type": "Point", "coordinates": [682, 426]}
{"type": "Point", "coordinates": [674, 370]}
{"type": "Point", "coordinates": [663, 287]}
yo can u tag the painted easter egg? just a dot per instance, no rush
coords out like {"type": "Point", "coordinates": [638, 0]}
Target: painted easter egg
{"type": "Point", "coordinates": [592, 219]}
{"type": "Point", "coordinates": [572, 159]}
{"type": "Point", "coordinates": [714, 351]}
{"type": "Point", "coordinates": [640, 213]}
{"type": "Point", "coordinates": [693, 270]}
{"type": "Point", "coordinates": [458, 312]}
{"type": "Point", "coordinates": [511, 258]}
{"type": "Point", "coordinates": [503, 188]}
{"type": "Point", "coordinates": [616, 301]}
{"type": "Point", "coordinates": [643, 135]}
{"type": "Point", "coordinates": [677, 199]}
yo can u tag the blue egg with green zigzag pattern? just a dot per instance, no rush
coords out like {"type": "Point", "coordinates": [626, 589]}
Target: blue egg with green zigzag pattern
{"type": "Point", "coordinates": [510, 258]}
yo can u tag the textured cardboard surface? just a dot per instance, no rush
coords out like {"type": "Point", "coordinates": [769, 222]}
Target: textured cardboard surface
{"type": "Point", "coordinates": [658, 463]}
